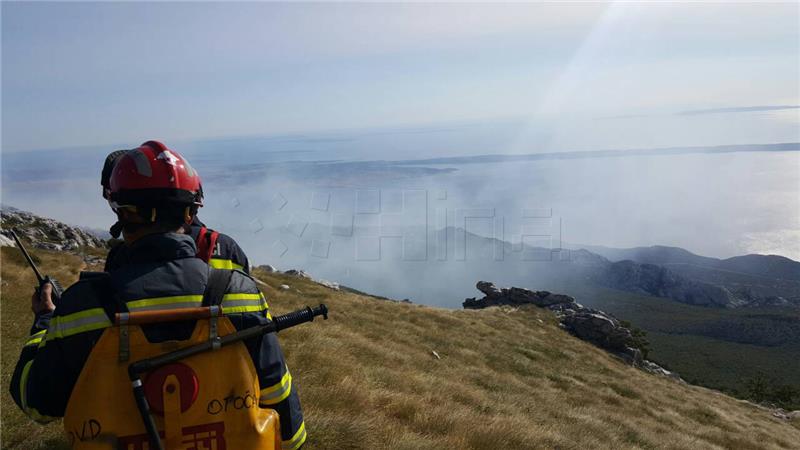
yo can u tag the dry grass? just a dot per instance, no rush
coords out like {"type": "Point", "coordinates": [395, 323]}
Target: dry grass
{"type": "Point", "coordinates": [18, 281]}
{"type": "Point", "coordinates": [368, 379]}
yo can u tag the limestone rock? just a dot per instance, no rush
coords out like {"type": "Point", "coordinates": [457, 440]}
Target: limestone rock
{"type": "Point", "coordinates": [298, 273]}
{"type": "Point", "coordinates": [599, 329]}
{"type": "Point", "coordinates": [329, 284]}
{"type": "Point", "coordinates": [46, 233]}
{"type": "Point", "coordinates": [514, 296]}
{"type": "Point", "coordinates": [6, 241]}
{"type": "Point", "coordinates": [655, 369]}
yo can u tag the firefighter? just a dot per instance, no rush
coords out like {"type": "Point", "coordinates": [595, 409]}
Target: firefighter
{"type": "Point", "coordinates": [217, 249]}
{"type": "Point", "coordinates": [154, 192]}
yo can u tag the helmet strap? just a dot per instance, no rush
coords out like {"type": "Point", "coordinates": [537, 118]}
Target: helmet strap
{"type": "Point", "coordinates": [116, 229]}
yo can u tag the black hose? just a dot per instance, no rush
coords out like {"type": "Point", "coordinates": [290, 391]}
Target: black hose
{"type": "Point", "coordinates": [300, 316]}
{"type": "Point", "coordinates": [147, 418]}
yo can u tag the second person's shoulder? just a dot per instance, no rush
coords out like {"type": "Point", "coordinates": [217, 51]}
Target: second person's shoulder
{"type": "Point", "coordinates": [241, 282]}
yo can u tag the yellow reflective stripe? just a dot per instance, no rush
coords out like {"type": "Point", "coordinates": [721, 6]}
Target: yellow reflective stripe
{"type": "Point", "coordinates": [39, 417]}
{"type": "Point", "coordinates": [23, 384]}
{"type": "Point", "coordinates": [285, 379]}
{"type": "Point", "coordinates": [175, 301]}
{"type": "Point", "coordinates": [240, 309]}
{"type": "Point", "coordinates": [258, 296]}
{"type": "Point", "coordinates": [79, 322]}
{"type": "Point", "coordinates": [277, 392]}
{"type": "Point", "coordinates": [242, 303]}
{"type": "Point", "coordinates": [35, 338]}
{"type": "Point", "coordinates": [297, 440]}
{"type": "Point", "coordinates": [219, 263]}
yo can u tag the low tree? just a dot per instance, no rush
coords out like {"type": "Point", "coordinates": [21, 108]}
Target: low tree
{"type": "Point", "coordinates": [638, 338]}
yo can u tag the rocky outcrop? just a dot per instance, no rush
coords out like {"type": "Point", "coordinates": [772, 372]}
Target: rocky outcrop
{"type": "Point", "coordinates": [329, 284]}
{"type": "Point", "coordinates": [661, 282]}
{"type": "Point", "coordinates": [6, 241]}
{"type": "Point", "coordinates": [600, 328]}
{"type": "Point", "coordinates": [302, 274]}
{"type": "Point", "coordinates": [298, 274]}
{"type": "Point", "coordinates": [46, 233]}
{"type": "Point", "coordinates": [514, 296]}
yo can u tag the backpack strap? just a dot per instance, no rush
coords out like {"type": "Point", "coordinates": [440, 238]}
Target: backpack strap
{"type": "Point", "coordinates": [104, 289]}
{"type": "Point", "coordinates": [206, 242]}
{"type": "Point", "coordinates": [218, 280]}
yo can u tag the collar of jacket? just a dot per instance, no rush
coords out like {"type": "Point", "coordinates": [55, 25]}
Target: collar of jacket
{"type": "Point", "coordinates": [162, 247]}
{"type": "Point", "coordinates": [196, 222]}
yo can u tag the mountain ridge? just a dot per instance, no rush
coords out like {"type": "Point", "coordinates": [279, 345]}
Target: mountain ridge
{"type": "Point", "coordinates": [774, 266]}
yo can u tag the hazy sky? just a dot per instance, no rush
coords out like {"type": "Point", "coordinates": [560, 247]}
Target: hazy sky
{"type": "Point", "coordinates": [591, 75]}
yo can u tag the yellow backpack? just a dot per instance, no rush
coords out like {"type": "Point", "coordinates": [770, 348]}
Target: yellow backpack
{"type": "Point", "coordinates": [208, 401]}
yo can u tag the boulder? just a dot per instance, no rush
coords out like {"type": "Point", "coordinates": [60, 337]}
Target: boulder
{"type": "Point", "coordinates": [632, 356]}
{"type": "Point", "coordinates": [599, 329]}
{"type": "Point", "coordinates": [329, 284]}
{"type": "Point", "coordinates": [303, 274]}
{"type": "Point", "coordinates": [655, 369]}
{"type": "Point", "coordinates": [6, 241]}
{"type": "Point", "coordinates": [297, 273]}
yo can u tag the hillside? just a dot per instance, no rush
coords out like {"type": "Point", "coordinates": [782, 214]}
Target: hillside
{"type": "Point", "coordinates": [506, 378]}
{"type": "Point", "coordinates": [748, 280]}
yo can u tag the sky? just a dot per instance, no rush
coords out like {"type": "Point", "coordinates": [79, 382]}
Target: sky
{"type": "Point", "coordinates": [583, 76]}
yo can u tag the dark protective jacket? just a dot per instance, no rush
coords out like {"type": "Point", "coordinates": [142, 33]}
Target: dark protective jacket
{"type": "Point", "coordinates": [226, 254]}
{"type": "Point", "coordinates": [160, 271]}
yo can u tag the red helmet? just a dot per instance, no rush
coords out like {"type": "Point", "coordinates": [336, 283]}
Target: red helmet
{"type": "Point", "coordinates": [153, 175]}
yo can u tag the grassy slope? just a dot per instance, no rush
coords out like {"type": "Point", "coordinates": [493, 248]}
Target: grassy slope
{"type": "Point", "coordinates": [506, 379]}
{"type": "Point", "coordinates": [17, 283]}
